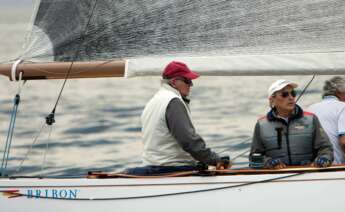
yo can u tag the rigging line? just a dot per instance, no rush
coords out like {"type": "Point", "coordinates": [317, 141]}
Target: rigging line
{"type": "Point", "coordinates": [305, 88]}
{"type": "Point", "coordinates": [11, 127]}
{"type": "Point", "coordinates": [240, 154]}
{"type": "Point", "coordinates": [46, 150]}
{"type": "Point", "coordinates": [21, 82]}
{"type": "Point", "coordinates": [171, 194]}
{"type": "Point", "coordinates": [29, 150]}
{"type": "Point", "coordinates": [9, 137]}
{"type": "Point", "coordinates": [75, 56]}
{"type": "Point", "coordinates": [50, 118]}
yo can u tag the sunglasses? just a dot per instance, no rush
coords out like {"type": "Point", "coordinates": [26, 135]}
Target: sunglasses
{"type": "Point", "coordinates": [185, 80]}
{"type": "Point", "coordinates": [287, 93]}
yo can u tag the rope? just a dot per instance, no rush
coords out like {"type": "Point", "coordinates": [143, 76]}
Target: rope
{"type": "Point", "coordinates": [11, 127]}
{"type": "Point", "coordinates": [14, 69]}
{"type": "Point", "coordinates": [46, 150]}
{"type": "Point", "coordinates": [29, 150]}
{"type": "Point", "coordinates": [305, 88]}
{"type": "Point", "coordinates": [241, 154]}
{"type": "Point", "coordinates": [9, 137]}
{"type": "Point", "coordinates": [50, 118]}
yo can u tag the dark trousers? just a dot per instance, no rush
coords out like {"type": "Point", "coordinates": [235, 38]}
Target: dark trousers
{"type": "Point", "coordinates": [154, 170]}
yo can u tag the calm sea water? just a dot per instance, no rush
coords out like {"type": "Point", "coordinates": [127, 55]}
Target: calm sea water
{"type": "Point", "coordinates": [98, 120]}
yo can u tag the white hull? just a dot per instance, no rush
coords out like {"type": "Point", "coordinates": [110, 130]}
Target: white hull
{"type": "Point", "coordinates": [322, 191]}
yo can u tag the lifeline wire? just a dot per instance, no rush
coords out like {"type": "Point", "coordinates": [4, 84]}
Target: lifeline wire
{"type": "Point", "coordinates": [29, 150]}
{"type": "Point", "coordinates": [46, 150]}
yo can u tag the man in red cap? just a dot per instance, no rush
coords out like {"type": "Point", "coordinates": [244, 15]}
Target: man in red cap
{"type": "Point", "coordinates": [170, 141]}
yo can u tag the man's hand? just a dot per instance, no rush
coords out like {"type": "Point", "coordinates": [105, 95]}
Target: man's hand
{"type": "Point", "coordinates": [224, 163]}
{"type": "Point", "coordinates": [322, 162]}
{"type": "Point", "coordinates": [274, 164]}
{"type": "Point", "coordinates": [342, 142]}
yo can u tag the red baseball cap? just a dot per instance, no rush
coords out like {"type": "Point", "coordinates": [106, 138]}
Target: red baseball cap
{"type": "Point", "coordinates": [178, 69]}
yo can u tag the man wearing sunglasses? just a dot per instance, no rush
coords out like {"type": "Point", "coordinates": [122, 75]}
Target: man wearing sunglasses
{"type": "Point", "coordinates": [331, 112]}
{"type": "Point", "coordinates": [287, 135]}
{"type": "Point", "coordinates": [170, 141]}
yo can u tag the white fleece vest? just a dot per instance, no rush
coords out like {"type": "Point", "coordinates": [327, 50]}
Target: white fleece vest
{"type": "Point", "coordinates": [160, 147]}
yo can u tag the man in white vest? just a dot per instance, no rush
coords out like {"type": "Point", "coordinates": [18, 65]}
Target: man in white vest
{"type": "Point", "coordinates": [170, 141]}
{"type": "Point", "coordinates": [331, 113]}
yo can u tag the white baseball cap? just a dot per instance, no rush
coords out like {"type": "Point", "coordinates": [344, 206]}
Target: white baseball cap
{"type": "Point", "coordinates": [278, 85]}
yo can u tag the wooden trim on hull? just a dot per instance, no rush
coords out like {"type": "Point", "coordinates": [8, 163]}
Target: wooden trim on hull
{"type": "Point", "coordinates": [58, 70]}
{"type": "Point", "coordinates": [242, 171]}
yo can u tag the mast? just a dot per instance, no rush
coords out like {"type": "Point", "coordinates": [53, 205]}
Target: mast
{"type": "Point", "coordinates": [59, 70]}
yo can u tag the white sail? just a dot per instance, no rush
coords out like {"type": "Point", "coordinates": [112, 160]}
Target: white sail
{"type": "Point", "coordinates": [215, 37]}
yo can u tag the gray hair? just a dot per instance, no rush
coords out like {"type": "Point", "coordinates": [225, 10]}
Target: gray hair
{"type": "Point", "coordinates": [333, 85]}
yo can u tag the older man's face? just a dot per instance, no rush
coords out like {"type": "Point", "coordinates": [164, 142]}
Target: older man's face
{"type": "Point", "coordinates": [284, 100]}
{"type": "Point", "coordinates": [183, 85]}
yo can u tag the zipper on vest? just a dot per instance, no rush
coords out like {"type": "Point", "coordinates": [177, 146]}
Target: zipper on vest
{"type": "Point", "coordinates": [288, 143]}
{"type": "Point", "coordinates": [279, 137]}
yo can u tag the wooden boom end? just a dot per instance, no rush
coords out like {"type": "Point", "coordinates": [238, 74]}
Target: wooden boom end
{"type": "Point", "coordinates": [59, 70]}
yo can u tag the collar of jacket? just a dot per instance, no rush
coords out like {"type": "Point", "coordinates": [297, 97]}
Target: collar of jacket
{"type": "Point", "coordinates": [330, 97]}
{"type": "Point", "coordinates": [297, 113]}
{"type": "Point", "coordinates": [170, 88]}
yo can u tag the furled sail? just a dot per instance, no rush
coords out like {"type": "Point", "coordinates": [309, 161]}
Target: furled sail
{"type": "Point", "coordinates": [220, 37]}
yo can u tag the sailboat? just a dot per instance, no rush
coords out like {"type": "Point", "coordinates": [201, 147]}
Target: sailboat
{"type": "Point", "coordinates": [102, 38]}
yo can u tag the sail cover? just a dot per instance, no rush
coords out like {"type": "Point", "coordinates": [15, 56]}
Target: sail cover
{"type": "Point", "coordinates": [219, 37]}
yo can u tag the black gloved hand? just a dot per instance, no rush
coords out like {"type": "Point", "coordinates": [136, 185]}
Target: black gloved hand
{"type": "Point", "coordinates": [274, 164]}
{"type": "Point", "coordinates": [224, 163]}
{"type": "Point", "coordinates": [201, 166]}
{"type": "Point", "coordinates": [225, 160]}
{"type": "Point", "coordinates": [322, 161]}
